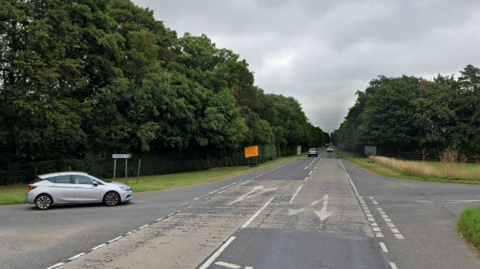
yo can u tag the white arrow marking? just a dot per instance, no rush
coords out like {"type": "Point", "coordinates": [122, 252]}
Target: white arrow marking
{"type": "Point", "coordinates": [323, 214]}
{"type": "Point", "coordinates": [250, 194]}
{"type": "Point", "coordinates": [324, 200]}
{"type": "Point", "coordinates": [228, 265]}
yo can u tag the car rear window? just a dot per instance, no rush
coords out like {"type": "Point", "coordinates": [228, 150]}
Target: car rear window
{"type": "Point", "coordinates": [62, 179]}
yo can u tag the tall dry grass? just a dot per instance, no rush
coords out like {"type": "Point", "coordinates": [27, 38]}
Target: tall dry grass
{"type": "Point", "coordinates": [444, 170]}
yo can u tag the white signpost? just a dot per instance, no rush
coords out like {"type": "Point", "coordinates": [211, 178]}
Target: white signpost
{"type": "Point", "coordinates": [120, 156]}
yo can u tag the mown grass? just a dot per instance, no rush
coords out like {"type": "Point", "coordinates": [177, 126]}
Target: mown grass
{"type": "Point", "coordinates": [10, 195]}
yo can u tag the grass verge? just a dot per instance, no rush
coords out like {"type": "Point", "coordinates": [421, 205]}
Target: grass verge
{"type": "Point", "coordinates": [10, 195]}
{"type": "Point", "coordinates": [468, 226]}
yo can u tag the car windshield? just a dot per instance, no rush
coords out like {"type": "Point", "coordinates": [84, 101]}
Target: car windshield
{"type": "Point", "coordinates": [313, 149]}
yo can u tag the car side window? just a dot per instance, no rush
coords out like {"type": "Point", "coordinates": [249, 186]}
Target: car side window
{"type": "Point", "coordinates": [79, 179]}
{"type": "Point", "coordinates": [61, 179]}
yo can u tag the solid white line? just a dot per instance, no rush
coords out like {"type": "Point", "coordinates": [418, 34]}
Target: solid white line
{"type": "Point", "coordinates": [115, 239]}
{"type": "Point", "coordinates": [76, 256]}
{"type": "Point", "coordinates": [217, 253]}
{"type": "Point", "coordinates": [295, 195]}
{"type": "Point", "coordinates": [384, 248]}
{"type": "Point", "coordinates": [393, 265]}
{"type": "Point", "coordinates": [99, 246]}
{"type": "Point", "coordinates": [256, 214]}
{"type": "Point", "coordinates": [56, 265]}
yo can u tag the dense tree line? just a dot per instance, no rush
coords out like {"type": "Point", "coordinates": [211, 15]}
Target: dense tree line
{"type": "Point", "coordinates": [91, 77]}
{"type": "Point", "coordinates": [410, 114]}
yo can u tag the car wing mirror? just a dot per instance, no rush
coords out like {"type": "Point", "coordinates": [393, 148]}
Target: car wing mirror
{"type": "Point", "coordinates": [95, 183]}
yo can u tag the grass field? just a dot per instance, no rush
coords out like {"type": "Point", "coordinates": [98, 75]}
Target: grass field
{"type": "Point", "coordinates": [10, 195]}
{"type": "Point", "coordinates": [466, 173]}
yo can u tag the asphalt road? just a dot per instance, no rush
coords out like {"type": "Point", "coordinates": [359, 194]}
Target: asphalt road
{"type": "Point", "coordinates": [311, 213]}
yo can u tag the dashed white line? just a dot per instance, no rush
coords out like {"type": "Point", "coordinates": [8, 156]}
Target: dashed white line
{"type": "Point", "coordinates": [56, 265]}
{"type": "Point", "coordinates": [310, 173]}
{"type": "Point", "coordinates": [99, 246]}
{"type": "Point", "coordinates": [115, 239]}
{"type": "Point", "coordinates": [393, 265]}
{"type": "Point", "coordinates": [384, 248]}
{"type": "Point", "coordinates": [76, 256]}
{"type": "Point", "coordinates": [306, 179]}
{"type": "Point", "coordinates": [144, 226]}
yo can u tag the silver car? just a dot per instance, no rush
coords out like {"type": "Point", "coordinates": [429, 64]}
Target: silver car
{"type": "Point", "coordinates": [75, 187]}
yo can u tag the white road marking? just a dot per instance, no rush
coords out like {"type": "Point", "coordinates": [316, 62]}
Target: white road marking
{"type": "Point", "coordinates": [395, 231]}
{"type": "Point", "coordinates": [399, 236]}
{"type": "Point", "coordinates": [384, 248]}
{"type": "Point", "coordinates": [376, 229]}
{"type": "Point", "coordinates": [250, 194]}
{"type": "Point", "coordinates": [217, 253]}
{"type": "Point", "coordinates": [76, 256]}
{"type": "Point", "coordinates": [310, 173]}
{"type": "Point", "coordinates": [296, 211]}
{"type": "Point", "coordinates": [56, 265]}
{"type": "Point", "coordinates": [393, 265]}
{"type": "Point", "coordinates": [256, 214]}
{"type": "Point", "coordinates": [144, 226]}
{"type": "Point", "coordinates": [323, 214]}
{"type": "Point", "coordinates": [391, 225]}
{"type": "Point", "coordinates": [228, 265]}
{"type": "Point", "coordinates": [160, 219]}
{"type": "Point", "coordinates": [380, 235]}
{"type": "Point", "coordinates": [99, 246]}
{"type": "Point", "coordinates": [306, 178]}
{"type": "Point", "coordinates": [115, 239]}
{"type": "Point", "coordinates": [295, 195]}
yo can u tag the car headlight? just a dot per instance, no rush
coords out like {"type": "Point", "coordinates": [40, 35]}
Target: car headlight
{"type": "Point", "coordinates": [125, 188]}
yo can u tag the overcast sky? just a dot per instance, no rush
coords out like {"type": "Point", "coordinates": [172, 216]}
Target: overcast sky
{"type": "Point", "coordinates": [322, 51]}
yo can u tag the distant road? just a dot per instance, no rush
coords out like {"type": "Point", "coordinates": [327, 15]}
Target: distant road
{"type": "Point", "coordinates": [311, 213]}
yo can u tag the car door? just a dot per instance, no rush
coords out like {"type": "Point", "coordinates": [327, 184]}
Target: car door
{"type": "Point", "coordinates": [85, 191]}
{"type": "Point", "coordinates": [62, 189]}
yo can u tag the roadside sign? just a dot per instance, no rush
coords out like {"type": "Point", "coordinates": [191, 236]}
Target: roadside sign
{"type": "Point", "coordinates": [369, 150]}
{"type": "Point", "coordinates": [121, 156]}
{"type": "Point", "coordinates": [299, 150]}
{"type": "Point", "coordinates": [251, 152]}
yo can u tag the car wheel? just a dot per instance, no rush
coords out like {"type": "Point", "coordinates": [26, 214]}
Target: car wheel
{"type": "Point", "coordinates": [111, 198]}
{"type": "Point", "coordinates": [43, 201]}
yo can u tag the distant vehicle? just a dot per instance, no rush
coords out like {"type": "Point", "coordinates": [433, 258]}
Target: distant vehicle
{"type": "Point", "coordinates": [329, 149]}
{"type": "Point", "coordinates": [313, 152]}
{"type": "Point", "coordinates": [75, 188]}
